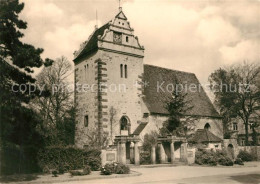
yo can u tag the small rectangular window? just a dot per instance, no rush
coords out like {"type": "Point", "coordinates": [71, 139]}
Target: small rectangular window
{"type": "Point", "coordinates": [243, 142]}
{"type": "Point", "coordinates": [126, 39]}
{"type": "Point", "coordinates": [125, 71]}
{"type": "Point", "coordinates": [86, 121]}
{"type": "Point", "coordinates": [234, 126]}
{"type": "Point", "coordinates": [121, 71]}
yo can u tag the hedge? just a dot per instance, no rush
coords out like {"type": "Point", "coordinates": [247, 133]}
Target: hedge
{"type": "Point", "coordinates": [16, 159]}
{"type": "Point", "coordinates": [209, 157]}
{"type": "Point", "coordinates": [69, 158]}
{"type": "Point", "coordinates": [247, 156]}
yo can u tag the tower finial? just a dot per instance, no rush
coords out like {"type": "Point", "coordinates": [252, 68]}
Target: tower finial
{"type": "Point", "coordinates": [120, 8]}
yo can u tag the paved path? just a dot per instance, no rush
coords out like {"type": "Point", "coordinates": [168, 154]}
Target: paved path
{"type": "Point", "coordinates": [188, 175]}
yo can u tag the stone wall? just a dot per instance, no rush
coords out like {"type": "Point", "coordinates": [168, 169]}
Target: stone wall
{"type": "Point", "coordinates": [251, 149]}
{"type": "Point", "coordinates": [237, 148]}
{"type": "Point", "coordinates": [86, 97]}
{"type": "Point", "coordinates": [108, 156]}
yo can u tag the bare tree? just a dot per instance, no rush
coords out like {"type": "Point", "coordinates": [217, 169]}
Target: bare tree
{"type": "Point", "coordinates": [113, 123]}
{"type": "Point", "coordinates": [54, 107]}
{"type": "Point", "coordinates": [237, 92]}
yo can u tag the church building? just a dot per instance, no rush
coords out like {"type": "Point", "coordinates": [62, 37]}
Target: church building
{"type": "Point", "coordinates": [117, 95]}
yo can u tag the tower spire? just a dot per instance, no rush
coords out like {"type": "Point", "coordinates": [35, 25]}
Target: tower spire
{"type": "Point", "coordinates": [96, 26]}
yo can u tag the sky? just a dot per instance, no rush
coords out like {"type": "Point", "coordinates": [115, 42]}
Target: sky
{"type": "Point", "coordinates": [197, 36]}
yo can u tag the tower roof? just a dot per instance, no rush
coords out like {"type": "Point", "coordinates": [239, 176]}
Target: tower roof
{"type": "Point", "coordinates": [91, 45]}
{"type": "Point", "coordinates": [119, 25]}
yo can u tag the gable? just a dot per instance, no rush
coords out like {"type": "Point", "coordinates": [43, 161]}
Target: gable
{"type": "Point", "coordinates": [155, 99]}
{"type": "Point", "coordinates": [121, 15]}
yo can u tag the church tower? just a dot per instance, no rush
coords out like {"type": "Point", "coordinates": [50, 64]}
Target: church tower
{"type": "Point", "coordinates": [108, 78]}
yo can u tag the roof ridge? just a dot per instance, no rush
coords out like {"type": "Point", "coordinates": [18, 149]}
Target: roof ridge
{"type": "Point", "coordinates": [169, 69]}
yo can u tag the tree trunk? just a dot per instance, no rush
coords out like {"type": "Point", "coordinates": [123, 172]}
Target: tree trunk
{"type": "Point", "coordinates": [254, 137]}
{"type": "Point", "coordinates": [246, 131]}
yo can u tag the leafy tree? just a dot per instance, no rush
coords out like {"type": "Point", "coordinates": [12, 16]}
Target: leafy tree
{"type": "Point", "coordinates": [56, 109]}
{"type": "Point", "coordinates": [17, 60]}
{"type": "Point", "coordinates": [177, 105]}
{"type": "Point", "coordinates": [150, 139]}
{"type": "Point", "coordinates": [237, 92]}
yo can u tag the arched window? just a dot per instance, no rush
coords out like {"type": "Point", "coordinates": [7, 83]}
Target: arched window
{"type": "Point", "coordinates": [125, 71]}
{"type": "Point", "coordinates": [126, 39]}
{"type": "Point", "coordinates": [123, 123]}
{"type": "Point", "coordinates": [121, 71]}
{"type": "Point", "coordinates": [207, 126]}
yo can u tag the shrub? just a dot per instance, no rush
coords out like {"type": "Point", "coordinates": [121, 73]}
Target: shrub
{"type": "Point", "coordinates": [61, 169]}
{"type": "Point", "coordinates": [245, 156]}
{"type": "Point", "coordinates": [94, 163]}
{"type": "Point", "coordinates": [225, 160]}
{"type": "Point", "coordinates": [145, 157]}
{"type": "Point", "coordinates": [117, 168]}
{"type": "Point", "coordinates": [122, 169]}
{"type": "Point", "coordinates": [204, 157]}
{"type": "Point", "coordinates": [55, 173]}
{"type": "Point", "coordinates": [75, 173]}
{"type": "Point", "coordinates": [108, 169]}
{"type": "Point", "coordinates": [86, 170]}
{"type": "Point", "coordinates": [239, 161]}
{"type": "Point", "coordinates": [69, 158]}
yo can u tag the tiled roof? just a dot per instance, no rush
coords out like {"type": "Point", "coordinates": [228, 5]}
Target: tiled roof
{"type": "Point", "coordinates": [156, 99]}
{"type": "Point", "coordinates": [92, 42]}
{"type": "Point", "coordinates": [203, 136]}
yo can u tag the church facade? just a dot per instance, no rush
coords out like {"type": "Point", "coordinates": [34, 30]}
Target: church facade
{"type": "Point", "coordinates": [118, 95]}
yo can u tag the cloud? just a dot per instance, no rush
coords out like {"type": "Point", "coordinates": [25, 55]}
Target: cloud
{"type": "Point", "coordinates": [64, 40]}
{"type": "Point", "coordinates": [39, 9]}
{"type": "Point", "coordinates": [215, 31]}
{"type": "Point", "coordinates": [193, 36]}
{"type": "Point", "coordinates": [245, 50]}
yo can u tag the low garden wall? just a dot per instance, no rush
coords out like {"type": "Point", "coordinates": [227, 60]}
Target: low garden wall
{"type": "Point", "coordinates": [108, 156]}
{"type": "Point", "coordinates": [255, 150]}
